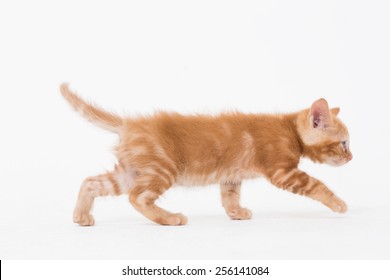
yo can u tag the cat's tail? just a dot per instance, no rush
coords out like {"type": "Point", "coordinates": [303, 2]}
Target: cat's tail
{"type": "Point", "coordinates": [92, 113]}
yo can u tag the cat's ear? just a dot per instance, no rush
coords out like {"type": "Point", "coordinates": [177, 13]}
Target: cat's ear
{"type": "Point", "coordinates": [319, 114]}
{"type": "Point", "coordinates": [335, 111]}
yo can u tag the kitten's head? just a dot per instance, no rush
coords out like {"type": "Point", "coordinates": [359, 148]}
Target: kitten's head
{"type": "Point", "coordinates": [324, 135]}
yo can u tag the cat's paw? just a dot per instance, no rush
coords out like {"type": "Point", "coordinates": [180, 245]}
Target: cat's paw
{"type": "Point", "coordinates": [338, 205]}
{"type": "Point", "coordinates": [83, 219]}
{"type": "Point", "coordinates": [175, 220]}
{"type": "Point", "coordinates": [239, 213]}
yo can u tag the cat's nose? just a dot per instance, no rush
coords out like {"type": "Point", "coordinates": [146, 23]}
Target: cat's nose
{"type": "Point", "coordinates": [349, 156]}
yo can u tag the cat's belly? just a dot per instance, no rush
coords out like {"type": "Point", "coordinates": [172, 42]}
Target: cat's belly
{"type": "Point", "coordinates": [215, 177]}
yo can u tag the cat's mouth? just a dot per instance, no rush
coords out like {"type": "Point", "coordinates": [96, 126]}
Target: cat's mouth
{"type": "Point", "coordinates": [340, 160]}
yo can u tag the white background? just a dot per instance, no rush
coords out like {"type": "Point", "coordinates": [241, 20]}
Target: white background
{"type": "Point", "coordinates": [189, 56]}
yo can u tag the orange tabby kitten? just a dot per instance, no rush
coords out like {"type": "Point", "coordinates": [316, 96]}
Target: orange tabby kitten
{"type": "Point", "coordinates": [169, 149]}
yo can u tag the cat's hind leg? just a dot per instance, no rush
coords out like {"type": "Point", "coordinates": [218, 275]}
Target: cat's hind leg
{"type": "Point", "coordinates": [230, 195]}
{"type": "Point", "coordinates": [147, 189]}
{"type": "Point", "coordinates": [111, 183]}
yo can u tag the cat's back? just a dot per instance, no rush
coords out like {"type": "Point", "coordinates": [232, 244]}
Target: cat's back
{"type": "Point", "coordinates": [198, 127]}
{"type": "Point", "coordinates": [203, 133]}
{"type": "Point", "coordinates": [195, 128]}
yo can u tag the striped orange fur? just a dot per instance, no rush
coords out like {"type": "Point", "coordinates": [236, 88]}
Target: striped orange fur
{"type": "Point", "coordinates": [167, 149]}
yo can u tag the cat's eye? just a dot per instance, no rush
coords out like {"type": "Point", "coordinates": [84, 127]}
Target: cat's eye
{"type": "Point", "coordinates": [344, 144]}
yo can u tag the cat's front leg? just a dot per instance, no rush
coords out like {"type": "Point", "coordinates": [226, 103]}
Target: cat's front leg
{"type": "Point", "coordinates": [230, 195]}
{"type": "Point", "coordinates": [297, 181]}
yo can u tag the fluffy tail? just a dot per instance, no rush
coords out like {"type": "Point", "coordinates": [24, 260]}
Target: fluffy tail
{"type": "Point", "coordinates": [94, 114]}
